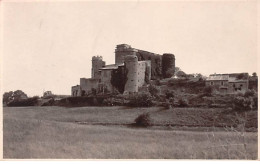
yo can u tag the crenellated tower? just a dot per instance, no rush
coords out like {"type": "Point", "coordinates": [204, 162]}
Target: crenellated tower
{"type": "Point", "coordinates": [97, 63]}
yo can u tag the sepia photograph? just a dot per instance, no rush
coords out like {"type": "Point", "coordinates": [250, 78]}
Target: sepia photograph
{"type": "Point", "coordinates": [133, 79]}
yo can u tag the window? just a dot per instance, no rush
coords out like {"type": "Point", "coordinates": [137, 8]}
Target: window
{"type": "Point", "coordinates": [211, 83]}
{"type": "Point", "coordinates": [222, 82]}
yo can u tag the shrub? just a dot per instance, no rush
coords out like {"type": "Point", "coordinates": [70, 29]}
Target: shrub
{"type": "Point", "coordinates": [169, 94]}
{"type": "Point", "coordinates": [249, 93]}
{"type": "Point", "coordinates": [154, 91]}
{"type": "Point", "coordinates": [208, 91]}
{"type": "Point", "coordinates": [113, 101]}
{"type": "Point", "coordinates": [255, 100]}
{"type": "Point", "coordinates": [24, 102]}
{"type": "Point", "coordinates": [169, 103]}
{"type": "Point", "coordinates": [49, 102]}
{"type": "Point", "coordinates": [182, 102]}
{"type": "Point", "coordinates": [81, 101]}
{"type": "Point", "coordinates": [143, 99]}
{"type": "Point", "coordinates": [93, 91]}
{"type": "Point", "coordinates": [242, 103]}
{"type": "Point", "coordinates": [143, 120]}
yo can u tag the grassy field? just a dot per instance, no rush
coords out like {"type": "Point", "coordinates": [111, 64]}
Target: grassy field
{"type": "Point", "coordinates": [55, 132]}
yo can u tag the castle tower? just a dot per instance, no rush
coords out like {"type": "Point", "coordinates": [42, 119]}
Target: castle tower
{"type": "Point", "coordinates": [123, 50]}
{"type": "Point", "coordinates": [97, 63]}
{"type": "Point", "coordinates": [168, 65]}
{"type": "Point", "coordinates": [131, 65]}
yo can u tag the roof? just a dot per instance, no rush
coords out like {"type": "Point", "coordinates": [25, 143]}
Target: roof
{"type": "Point", "coordinates": [235, 80]}
{"type": "Point", "coordinates": [111, 66]}
{"type": "Point", "coordinates": [232, 78]}
{"type": "Point", "coordinates": [217, 77]}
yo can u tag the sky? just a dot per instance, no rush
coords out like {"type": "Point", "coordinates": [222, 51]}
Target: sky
{"type": "Point", "coordinates": [49, 45]}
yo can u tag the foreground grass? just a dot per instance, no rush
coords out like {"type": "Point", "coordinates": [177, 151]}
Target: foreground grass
{"type": "Point", "coordinates": [51, 133]}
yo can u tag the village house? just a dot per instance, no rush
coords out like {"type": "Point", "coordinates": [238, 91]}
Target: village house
{"type": "Point", "coordinates": [229, 83]}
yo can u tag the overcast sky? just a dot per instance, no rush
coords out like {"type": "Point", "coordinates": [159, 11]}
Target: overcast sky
{"type": "Point", "coordinates": [49, 45]}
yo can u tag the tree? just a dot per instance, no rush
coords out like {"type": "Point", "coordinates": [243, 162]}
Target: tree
{"type": "Point", "coordinates": [154, 91]}
{"type": "Point", "coordinates": [254, 74]}
{"type": "Point", "coordinates": [181, 74]}
{"type": "Point", "coordinates": [7, 97]}
{"type": "Point", "coordinates": [177, 69]}
{"type": "Point", "coordinates": [241, 76]}
{"type": "Point", "coordinates": [16, 95]}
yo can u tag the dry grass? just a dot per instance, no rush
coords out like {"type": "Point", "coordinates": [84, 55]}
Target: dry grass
{"type": "Point", "coordinates": [50, 132]}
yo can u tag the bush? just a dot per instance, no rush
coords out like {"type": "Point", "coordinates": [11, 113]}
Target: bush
{"type": "Point", "coordinates": [169, 103]}
{"type": "Point", "coordinates": [242, 103]}
{"type": "Point", "coordinates": [154, 91]}
{"type": "Point", "coordinates": [255, 100]}
{"type": "Point", "coordinates": [143, 120]}
{"type": "Point", "coordinates": [25, 102]}
{"type": "Point", "coordinates": [81, 101]}
{"type": "Point", "coordinates": [208, 91]}
{"type": "Point", "coordinates": [250, 93]}
{"type": "Point", "coordinates": [183, 102]}
{"type": "Point", "coordinates": [113, 101]}
{"type": "Point", "coordinates": [143, 99]}
{"type": "Point", "coordinates": [169, 94]}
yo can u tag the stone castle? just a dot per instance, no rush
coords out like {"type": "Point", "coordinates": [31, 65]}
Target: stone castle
{"type": "Point", "coordinates": [133, 69]}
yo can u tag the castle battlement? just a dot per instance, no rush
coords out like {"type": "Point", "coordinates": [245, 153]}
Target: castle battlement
{"type": "Point", "coordinates": [97, 58]}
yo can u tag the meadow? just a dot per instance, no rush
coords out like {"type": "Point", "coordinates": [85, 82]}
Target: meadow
{"type": "Point", "coordinates": [106, 133]}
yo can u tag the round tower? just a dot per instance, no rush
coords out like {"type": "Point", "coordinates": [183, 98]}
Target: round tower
{"type": "Point", "coordinates": [123, 50]}
{"type": "Point", "coordinates": [168, 65]}
{"type": "Point", "coordinates": [131, 66]}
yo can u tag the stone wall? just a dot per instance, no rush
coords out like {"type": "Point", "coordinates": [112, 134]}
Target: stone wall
{"type": "Point", "coordinates": [75, 91]}
{"type": "Point", "coordinates": [238, 87]}
{"type": "Point", "coordinates": [225, 86]}
{"type": "Point", "coordinates": [156, 62]}
{"type": "Point", "coordinates": [141, 73]}
{"type": "Point", "coordinates": [87, 84]}
{"type": "Point", "coordinates": [106, 79]}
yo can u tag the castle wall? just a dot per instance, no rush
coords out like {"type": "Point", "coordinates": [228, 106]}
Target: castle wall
{"type": "Point", "coordinates": [106, 79]}
{"type": "Point", "coordinates": [141, 70]}
{"type": "Point", "coordinates": [87, 84]}
{"type": "Point", "coordinates": [148, 70]}
{"type": "Point", "coordinates": [131, 65]}
{"type": "Point", "coordinates": [156, 62]}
